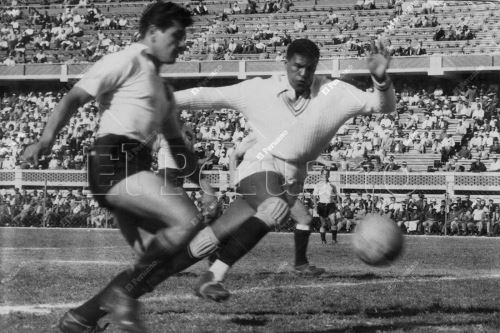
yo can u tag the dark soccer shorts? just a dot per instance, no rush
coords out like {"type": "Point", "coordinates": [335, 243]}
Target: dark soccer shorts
{"type": "Point", "coordinates": [325, 209]}
{"type": "Point", "coordinates": [173, 176]}
{"type": "Point", "coordinates": [112, 159]}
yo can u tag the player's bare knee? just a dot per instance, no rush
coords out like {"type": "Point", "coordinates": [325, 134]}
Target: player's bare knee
{"type": "Point", "coordinates": [273, 211]}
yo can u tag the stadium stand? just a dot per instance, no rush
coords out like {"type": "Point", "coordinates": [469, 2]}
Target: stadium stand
{"type": "Point", "coordinates": [86, 32]}
{"type": "Point", "coordinates": [436, 143]}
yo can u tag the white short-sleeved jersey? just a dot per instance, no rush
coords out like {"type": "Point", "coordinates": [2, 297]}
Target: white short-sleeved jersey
{"type": "Point", "coordinates": [324, 191]}
{"type": "Point", "coordinates": [132, 97]}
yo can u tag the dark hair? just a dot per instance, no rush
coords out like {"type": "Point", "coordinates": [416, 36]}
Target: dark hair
{"type": "Point", "coordinates": [162, 15]}
{"type": "Point", "coordinates": [303, 47]}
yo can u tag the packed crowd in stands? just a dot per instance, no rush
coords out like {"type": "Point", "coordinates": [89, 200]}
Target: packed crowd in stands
{"type": "Point", "coordinates": [52, 209]}
{"type": "Point", "coordinates": [72, 208]}
{"type": "Point", "coordinates": [456, 128]}
{"type": "Point", "coordinates": [34, 36]}
{"type": "Point", "coordinates": [413, 214]}
{"type": "Point", "coordinates": [63, 32]}
{"type": "Point", "coordinates": [416, 214]}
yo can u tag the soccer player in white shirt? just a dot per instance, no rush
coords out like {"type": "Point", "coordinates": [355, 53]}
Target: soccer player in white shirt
{"type": "Point", "coordinates": [135, 108]}
{"type": "Point", "coordinates": [323, 196]}
{"type": "Point", "coordinates": [294, 118]}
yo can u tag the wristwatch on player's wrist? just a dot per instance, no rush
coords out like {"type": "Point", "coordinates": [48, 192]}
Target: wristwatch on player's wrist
{"type": "Point", "coordinates": [381, 84]}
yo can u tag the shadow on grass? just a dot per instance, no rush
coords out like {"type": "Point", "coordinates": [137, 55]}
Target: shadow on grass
{"type": "Point", "coordinates": [331, 276]}
{"type": "Point", "coordinates": [254, 321]}
{"type": "Point", "coordinates": [186, 274]}
{"type": "Point", "coordinates": [451, 325]}
{"type": "Point", "coordinates": [398, 311]}
{"type": "Point", "coordinates": [389, 312]}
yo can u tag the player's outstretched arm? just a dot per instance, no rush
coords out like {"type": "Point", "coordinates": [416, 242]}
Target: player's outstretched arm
{"type": "Point", "coordinates": [231, 97]}
{"type": "Point", "coordinates": [60, 117]}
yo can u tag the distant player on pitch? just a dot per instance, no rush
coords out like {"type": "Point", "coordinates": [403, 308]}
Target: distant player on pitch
{"type": "Point", "coordinates": [324, 196]}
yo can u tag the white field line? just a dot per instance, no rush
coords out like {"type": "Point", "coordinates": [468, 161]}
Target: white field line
{"type": "Point", "coordinates": [48, 307]}
{"type": "Point", "coordinates": [60, 248]}
{"type": "Point", "coordinates": [61, 229]}
{"type": "Point", "coordinates": [82, 262]}
{"type": "Point", "coordinates": [273, 232]}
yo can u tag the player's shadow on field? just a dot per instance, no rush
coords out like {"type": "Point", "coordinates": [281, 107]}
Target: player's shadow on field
{"type": "Point", "coordinates": [253, 321]}
{"type": "Point", "coordinates": [398, 311]}
{"type": "Point", "coordinates": [399, 326]}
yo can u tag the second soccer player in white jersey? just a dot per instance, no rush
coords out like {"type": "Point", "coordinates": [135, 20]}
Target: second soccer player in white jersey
{"type": "Point", "coordinates": [135, 106]}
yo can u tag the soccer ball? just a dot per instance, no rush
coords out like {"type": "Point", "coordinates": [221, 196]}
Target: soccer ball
{"type": "Point", "coordinates": [377, 240]}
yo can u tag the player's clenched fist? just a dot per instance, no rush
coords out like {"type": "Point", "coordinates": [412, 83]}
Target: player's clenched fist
{"type": "Point", "coordinates": [33, 152]}
{"type": "Point", "coordinates": [379, 59]}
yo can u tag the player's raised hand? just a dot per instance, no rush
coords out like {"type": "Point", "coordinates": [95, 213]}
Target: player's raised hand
{"type": "Point", "coordinates": [378, 60]}
{"type": "Point", "coordinates": [33, 152]}
{"type": "Point", "coordinates": [188, 136]}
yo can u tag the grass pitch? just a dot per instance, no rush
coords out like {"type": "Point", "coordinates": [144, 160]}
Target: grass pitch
{"type": "Point", "coordinates": [440, 284]}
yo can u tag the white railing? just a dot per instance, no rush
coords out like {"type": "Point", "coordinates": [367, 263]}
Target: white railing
{"type": "Point", "coordinates": [488, 182]}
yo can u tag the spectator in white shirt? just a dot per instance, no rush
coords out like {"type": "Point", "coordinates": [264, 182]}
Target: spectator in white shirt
{"type": "Point", "coordinates": [386, 122]}
{"type": "Point", "coordinates": [495, 165]}
{"type": "Point", "coordinates": [487, 140]}
{"type": "Point", "coordinates": [475, 105]}
{"type": "Point", "coordinates": [299, 26]}
{"type": "Point", "coordinates": [427, 123]}
{"type": "Point", "coordinates": [122, 23]}
{"type": "Point", "coordinates": [40, 57]}
{"type": "Point", "coordinates": [224, 160]}
{"type": "Point", "coordinates": [113, 47]}
{"type": "Point", "coordinates": [9, 61]}
{"type": "Point", "coordinates": [478, 113]}
{"type": "Point", "coordinates": [438, 91]}
{"type": "Point", "coordinates": [461, 128]}
{"type": "Point", "coordinates": [407, 142]}
{"type": "Point", "coordinates": [260, 47]}
{"type": "Point", "coordinates": [8, 163]}
{"type": "Point", "coordinates": [279, 57]}
{"type": "Point", "coordinates": [476, 141]}
{"type": "Point", "coordinates": [236, 8]}
{"type": "Point", "coordinates": [358, 151]}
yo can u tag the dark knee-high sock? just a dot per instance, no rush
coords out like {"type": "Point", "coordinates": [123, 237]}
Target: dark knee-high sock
{"type": "Point", "coordinates": [322, 232]}
{"type": "Point", "coordinates": [243, 240]}
{"type": "Point", "coordinates": [91, 309]}
{"type": "Point", "coordinates": [334, 234]}
{"type": "Point", "coordinates": [301, 237]}
{"type": "Point", "coordinates": [180, 262]}
{"type": "Point", "coordinates": [132, 281]}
